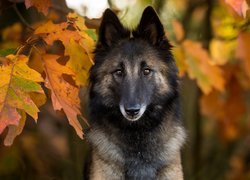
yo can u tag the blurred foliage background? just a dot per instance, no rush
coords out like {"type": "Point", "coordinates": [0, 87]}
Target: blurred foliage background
{"type": "Point", "coordinates": [211, 41]}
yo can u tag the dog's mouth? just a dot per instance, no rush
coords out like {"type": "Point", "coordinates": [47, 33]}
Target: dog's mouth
{"type": "Point", "coordinates": [132, 114]}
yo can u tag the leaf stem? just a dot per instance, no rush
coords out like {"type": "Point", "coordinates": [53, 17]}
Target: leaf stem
{"type": "Point", "coordinates": [21, 17]}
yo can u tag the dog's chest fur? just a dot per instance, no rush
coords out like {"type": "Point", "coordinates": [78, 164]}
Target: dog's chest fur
{"type": "Point", "coordinates": [136, 155]}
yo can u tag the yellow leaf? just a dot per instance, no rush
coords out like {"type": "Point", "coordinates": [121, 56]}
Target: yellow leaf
{"type": "Point", "coordinates": [79, 62]}
{"type": "Point", "coordinates": [16, 83]}
{"type": "Point", "coordinates": [180, 60]}
{"type": "Point", "coordinates": [223, 23]}
{"type": "Point", "coordinates": [38, 98]}
{"type": "Point", "coordinates": [78, 20]}
{"type": "Point", "coordinates": [222, 51]}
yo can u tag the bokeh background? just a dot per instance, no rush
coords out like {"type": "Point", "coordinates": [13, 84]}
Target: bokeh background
{"type": "Point", "coordinates": [211, 40]}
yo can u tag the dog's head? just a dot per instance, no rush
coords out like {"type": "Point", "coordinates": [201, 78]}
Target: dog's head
{"type": "Point", "coordinates": [133, 69]}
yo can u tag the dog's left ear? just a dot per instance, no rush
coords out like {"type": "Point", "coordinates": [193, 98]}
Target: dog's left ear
{"type": "Point", "coordinates": [150, 27]}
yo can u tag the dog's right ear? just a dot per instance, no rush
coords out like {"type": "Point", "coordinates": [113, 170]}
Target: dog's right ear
{"type": "Point", "coordinates": [111, 30]}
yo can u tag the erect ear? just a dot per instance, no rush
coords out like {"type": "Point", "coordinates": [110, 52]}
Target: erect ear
{"type": "Point", "coordinates": [111, 29]}
{"type": "Point", "coordinates": [150, 27]}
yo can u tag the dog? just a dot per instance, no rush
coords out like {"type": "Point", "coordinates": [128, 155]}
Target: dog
{"type": "Point", "coordinates": [136, 131]}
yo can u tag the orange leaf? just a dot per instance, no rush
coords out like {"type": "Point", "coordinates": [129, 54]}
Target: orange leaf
{"type": "Point", "coordinates": [201, 67]}
{"type": "Point", "coordinates": [226, 107]}
{"type": "Point", "coordinates": [41, 5]}
{"type": "Point", "coordinates": [52, 32]}
{"type": "Point", "coordinates": [178, 30]}
{"type": "Point", "coordinates": [59, 79]}
{"type": "Point", "coordinates": [242, 51]}
{"type": "Point", "coordinates": [65, 31]}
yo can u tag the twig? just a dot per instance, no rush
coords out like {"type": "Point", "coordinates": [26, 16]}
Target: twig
{"type": "Point", "coordinates": [21, 17]}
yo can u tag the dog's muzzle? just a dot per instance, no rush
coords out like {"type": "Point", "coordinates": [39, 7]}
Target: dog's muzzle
{"type": "Point", "coordinates": [132, 113]}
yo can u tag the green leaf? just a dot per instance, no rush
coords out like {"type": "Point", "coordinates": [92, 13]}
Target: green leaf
{"type": "Point", "coordinates": [6, 52]}
{"type": "Point", "coordinates": [91, 33]}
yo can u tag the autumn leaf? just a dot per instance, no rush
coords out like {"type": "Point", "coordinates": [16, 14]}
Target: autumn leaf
{"type": "Point", "coordinates": [16, 83]}
{"type": "Point", "coordinates": [8, 116]}
{"type": "Point", "coordinates": [226, 107]}
{"type": "Point", "coordinates": [11, 36]}
{"type": "Point", "coordinates": [52, 32]}
{"type": "Point", "coordinates": [242, 51]}
{"type": "Point", "coordinates": [15, 130]}
{"type": "Point", "coordinates": [64, 93]}
{"type": "Point", "coordinates": [200, 65]}
{"type": "Point", "coordinates": [180, 60]}
{"type": "Point", "coordinates": [64, 80]}
{"type": "Point", "coordinates": [178, 30]}
{"type": "Point", "coordinates": [223, 24]}
{"type": "Point", "coordinates": [240, 6]}
{"type": "Point", "coordinates": [77, 20]}
{"type": "Point", "coordinates": [195, 60]}
{"type": "Point", "coordinates": [41, 5]}
{"type": "Point", "coordinates": [79, 62]}
{"type": "Point", "coordinates": [222, 51]}
{"type": "Point", "coordinates": [6, 52]}
{"type": "Point", "coordinates": [192, 58]}
{"type": "Point", "coordinates": [65, 31]}
{"type": "Point", "coordinates": [77, 42]}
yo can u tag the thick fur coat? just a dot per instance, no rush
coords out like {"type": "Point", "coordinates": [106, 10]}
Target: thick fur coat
{"type": "Point", "coordinates": [134, 111]}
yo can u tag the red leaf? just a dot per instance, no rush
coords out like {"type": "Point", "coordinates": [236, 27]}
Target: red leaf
{"type": "Point", "coordinates": [41, 5]}
{"type": "Point", "coordinates": [240, 6]}
{"type": "Point", "coordinates": [8, 116]}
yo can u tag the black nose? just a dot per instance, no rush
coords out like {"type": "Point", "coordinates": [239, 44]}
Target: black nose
{"type": "Point", "coordinates": [132, 111]}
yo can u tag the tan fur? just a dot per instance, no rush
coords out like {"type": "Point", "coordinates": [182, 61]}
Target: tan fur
{"type": "Point", "coordinates": [108, 161]}
{"type": "Point", "coordinates": [172, 171]}
{"type": "Point", "coordinates": [102, 170]}
{"type": "Point", "coordinates": [162, 83]}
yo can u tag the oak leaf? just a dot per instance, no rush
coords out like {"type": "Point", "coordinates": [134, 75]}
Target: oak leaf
{"type": "Point", "coordinates": [41, 5]}
{"type": "Point", "coordinates": [15, 130]}
{"type": "Point", "coordinates": [52, 32]}
{"type": "Point", "coordinates": [80, 62]}
{"type": "Point", "coordinates": [16, 83]}
{"type": "Point", "coordinates": [195, 60]}
{"type": "Point", "coordinates": [74, 28]}
{"type": "Point", "coordinates": [77, 42]}
{"type": "Point", "coordinates": [64, 93]}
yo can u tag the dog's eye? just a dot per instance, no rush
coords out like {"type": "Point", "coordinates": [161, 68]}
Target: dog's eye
{"type": "Point", "coordinates": [118, 72]}
{"type": "Point", "coordinates": [146, 71]}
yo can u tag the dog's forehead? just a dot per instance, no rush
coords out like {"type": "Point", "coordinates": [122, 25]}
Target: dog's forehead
{"type": "Point", "coordinates": [132, 53]}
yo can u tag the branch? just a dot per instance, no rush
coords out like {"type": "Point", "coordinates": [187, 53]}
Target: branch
{"type": "Point", "coordinates": [21, 17]}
